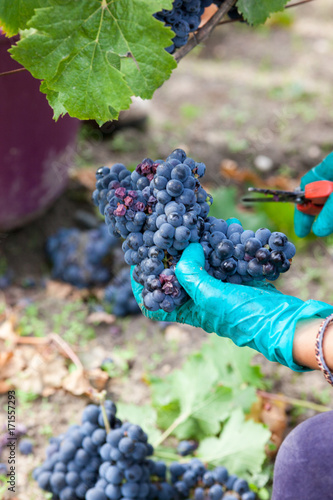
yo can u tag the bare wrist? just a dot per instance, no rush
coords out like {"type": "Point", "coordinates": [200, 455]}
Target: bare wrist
{"type": "Point", "coordinates": [304, 344]}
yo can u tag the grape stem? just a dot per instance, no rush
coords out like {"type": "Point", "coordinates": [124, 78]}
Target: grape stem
{"type": "Point", "coordinates": [179, 420]}
{"type": "Point", "coordinates": [204, 32]}
{"type": "Point", "coordinates": [105, 418]}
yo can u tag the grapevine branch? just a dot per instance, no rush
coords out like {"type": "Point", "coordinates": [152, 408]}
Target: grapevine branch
{"type": "Point", "coordinates": [13, 71]}
{"type": "Point", "coordinates": [204, 32]}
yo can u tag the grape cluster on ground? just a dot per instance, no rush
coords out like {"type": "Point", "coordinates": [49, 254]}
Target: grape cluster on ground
{"type": "Point", "coordinates": [78, 257]}
{"type": "Point", "coordinates": [91, 258]}
{"type": "Point", "coordinates": [160, 208]}
{"type": "Point", "coordinates": [94, 461]}
{"type": "Point", "coordinates": [185, 18]}
{"type": "Point", "coordinates": [120, 295]}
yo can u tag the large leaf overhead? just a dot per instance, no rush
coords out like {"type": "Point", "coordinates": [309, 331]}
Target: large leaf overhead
{"type": "Point", "coordinates": [14, 14]}
{"type": "Point", "coordinates": [94, 55]}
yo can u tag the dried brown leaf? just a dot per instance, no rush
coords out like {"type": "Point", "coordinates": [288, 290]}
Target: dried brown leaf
{"type": "Point", "coordinates": [273, 414]}
{"type": "Point", "coordinates": [43, 375]}
{"type": "Point", "coordinates": [28, 380]}
{"type": "Point", "coordinates": [11, 363]}
{"type": "Point", "coordinates": [59, 290]}
{"type": "Point", "coordinates": [53, 372]}
{"type": "Point", "coordinates": [98, 378]}
{"type": "Point", "coordinates": [7, 331]}
{"type": "Point", "coordinates": [5, 357]}
{"type": "Point", "coordinates": [77, 383]}
{"type": "Point", "coordinates": [5, 386]}
{"type": "Point", "coordinates": [101, 317]}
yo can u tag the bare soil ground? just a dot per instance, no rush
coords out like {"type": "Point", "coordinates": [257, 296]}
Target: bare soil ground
{"type": "Point", "coordinates": [245, 93]}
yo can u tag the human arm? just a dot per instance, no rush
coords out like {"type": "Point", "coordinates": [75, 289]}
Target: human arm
{"type": "Point", "coordinates": [323, 224]}
{"type": "Point", "coordinates": [304, 341]}
{"type": "Point", "coordinates": [257, 316]}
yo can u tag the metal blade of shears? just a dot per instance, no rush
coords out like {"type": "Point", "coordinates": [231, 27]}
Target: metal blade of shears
{"type": "Point", "coordinates": [275, 195]}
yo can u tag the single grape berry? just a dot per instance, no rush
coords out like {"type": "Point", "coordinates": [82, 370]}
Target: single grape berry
{"type": "Point", "coordinates": [25, 447]}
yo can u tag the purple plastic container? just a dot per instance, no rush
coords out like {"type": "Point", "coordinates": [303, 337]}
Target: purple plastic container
{"type": "Point", "coordinates": [35, 151]}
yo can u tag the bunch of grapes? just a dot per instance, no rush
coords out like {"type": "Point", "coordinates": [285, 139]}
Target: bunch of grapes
{"type": "Point", "coordinates": [78, 257]}
{"type": "Point", "coordinates": [239, 256]}
{"type": "Point", "coordinates": [126, 472]}
{"type": "Point", "coordinates": [194, 480]}
{"type": "Point", "coordinates": [160, 208]}
{"type": "Point", "coordinates": [120, 294]}
{"type": "Point", "coordinates": [94, 463]}
{"type": "Point", "coordinates": [185, 17]}
{"type": "Point", "coordinates": [73, 460]}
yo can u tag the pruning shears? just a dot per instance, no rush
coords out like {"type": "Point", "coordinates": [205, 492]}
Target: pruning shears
{"type": "Point", "coordinates": [309, 201]}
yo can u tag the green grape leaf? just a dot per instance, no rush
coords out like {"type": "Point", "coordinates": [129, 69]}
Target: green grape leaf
{"type": "Point", "coordinates": [256, 12]}
{"type": "Point", "coordinates": [207, 389]}
{"type": "Point", "coordinates": [14, 14]}
{"type": "Point", "coordinates": [94, 55]}
{"type": "Point", "coordinates": [54, 101]}
{"type": "Point", "coordinates": [191, 397]}
{"type": "Point", "coordinates": [232, 363]}
{"type": "Point", "coordinates": [240, 447]}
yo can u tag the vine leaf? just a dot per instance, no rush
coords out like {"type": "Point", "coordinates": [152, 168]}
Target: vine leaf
{"type": "Point", "coordinates": [94, 55]}
{"type": "Point", "coordinates": [232, 363]}
{"type": "Point", "coordinates": [193, 402]}
{"type": "Point", "coordinates": [240, 446]}
{"type": "Point", "coordinates": [256, 12]}
{"type": "Point", "coordinates": [192, 398]}
{"type": "Point", "coordinates": [14, 14]}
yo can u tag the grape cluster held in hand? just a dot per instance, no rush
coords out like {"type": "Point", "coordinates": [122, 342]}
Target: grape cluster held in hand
{"type": "Point", "coordinates": [160, 208]}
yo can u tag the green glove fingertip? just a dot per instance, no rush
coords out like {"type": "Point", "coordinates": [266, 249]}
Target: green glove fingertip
{"type": "Point", "coordinates": [191, 264]}
{"type": "Point", "coordinates": [302, 223]}
{"type": "Point", "coordinates": [137, 290]}
{"type": "Point", "coordinates": [233, 220]}
{"type": "Point", "coordinates": [323, 225]}
{"type": "Point", "coordinates": [323, 171]}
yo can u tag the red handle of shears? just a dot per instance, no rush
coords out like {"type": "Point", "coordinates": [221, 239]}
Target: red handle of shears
{"type": "Point", "coordinates": [315, 194]}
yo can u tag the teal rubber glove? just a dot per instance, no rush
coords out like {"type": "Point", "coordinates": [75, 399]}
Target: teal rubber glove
{"type": "Point", "coordinates": [257, 316]}
{"type": "Point", "coordinates": [323, 226]}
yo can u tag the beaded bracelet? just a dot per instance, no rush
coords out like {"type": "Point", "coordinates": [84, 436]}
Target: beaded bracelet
{"type": "Point", "coordinates": [319, 349]}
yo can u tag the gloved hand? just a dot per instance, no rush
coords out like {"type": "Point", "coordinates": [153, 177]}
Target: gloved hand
{"type": "Point", "coordinates": [257, 316]}
{"type": "Point", "coordinates": [323, 226]}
